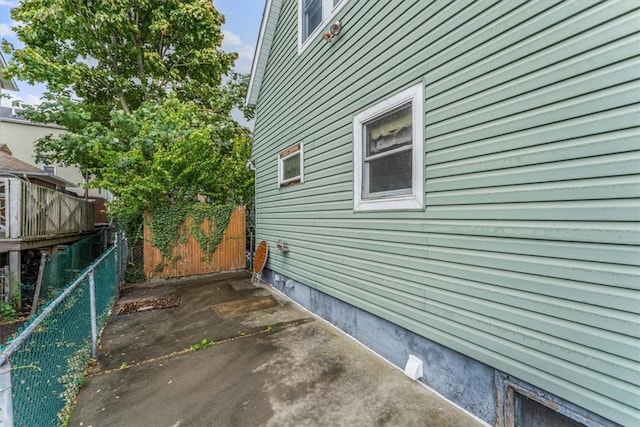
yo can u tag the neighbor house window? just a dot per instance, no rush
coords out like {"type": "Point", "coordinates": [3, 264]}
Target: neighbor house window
{"type": "Point", "coordinates": [49, 169]}
{"type": "Point", "coordinates": [312, 14]}
{"type": "Point", "coordinates": [389, 153]}
{"type": "Point", "coordinates": [290, 164]}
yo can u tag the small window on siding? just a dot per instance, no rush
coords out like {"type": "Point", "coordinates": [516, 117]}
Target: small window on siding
{"type": "Point", "coordinates": [389, 153]}
{"type": "Point", "coordinates": [290, 163]}
{"type": "Point", "coordinates": [49, 169]}
{"type": "Point", "coordinates": [312, 14]}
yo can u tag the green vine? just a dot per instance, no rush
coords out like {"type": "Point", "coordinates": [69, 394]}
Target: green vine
{"type": "Point", "coordinates": [167, 224]}
{"type": "Point", "coordinates": [168, 227]}
{"type": "Point", "coordinates": [217, 218]}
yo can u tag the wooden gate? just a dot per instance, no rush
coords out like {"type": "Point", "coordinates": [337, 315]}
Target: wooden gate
{"type": "Point", "coordinates": [192, 260]}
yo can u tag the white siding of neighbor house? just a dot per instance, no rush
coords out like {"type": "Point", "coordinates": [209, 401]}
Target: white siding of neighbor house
{"type": "Point", "coordinates": [526, 256]}
{"type": "Point", "coordinates": [21, 137]}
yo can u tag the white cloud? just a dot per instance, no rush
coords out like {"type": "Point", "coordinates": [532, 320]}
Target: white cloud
{"type": "Point", "coordinates": [230, 39]}
{"type": "Point", "coordinates": [233, 43]}
{"type": "Point", "coordinates": [28, 98]}
{"type": "Point", "coordinates": [9, 3]}
{"type": "Point", "coordinates": [5, 30]}
{"type": "Point", "coordinates": [32, 99]}
{"type": "Point", "coordinates": [245, 59]}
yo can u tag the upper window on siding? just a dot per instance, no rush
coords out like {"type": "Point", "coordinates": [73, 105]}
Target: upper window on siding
{"type": "Point", "coordinates": [290, 164]}
{"type": "Point", "coordinates": [312, 15]}
{"type": "Point", "coordinates": [389, 153]}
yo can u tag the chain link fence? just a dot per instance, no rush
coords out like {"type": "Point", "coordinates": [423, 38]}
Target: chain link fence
{"type": "Point", "coordinates": [42, 368]}
{"type": "Point", "coordinates": [135, 262]}
{"type": "Point", "coordinates": [63, 266]}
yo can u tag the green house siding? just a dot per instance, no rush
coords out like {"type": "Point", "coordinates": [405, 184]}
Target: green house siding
{"type": "Point", "coordinates": [526, 257]}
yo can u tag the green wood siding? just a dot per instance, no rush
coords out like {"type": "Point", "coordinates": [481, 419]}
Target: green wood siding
{"type": "Point", "coordinates": [526, 257]}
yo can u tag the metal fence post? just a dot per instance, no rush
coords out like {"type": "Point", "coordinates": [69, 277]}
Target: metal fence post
{"type": "Point", "coordinates": [124, 256]}
{"type": "Point", "coordinates": [117, 258]}
{"type": "Point", "coordinates": [6, 402]}
{"type": "Point", "coordinates": [36, 294]}
{"type": "Point", "coordinates": [94, 326]}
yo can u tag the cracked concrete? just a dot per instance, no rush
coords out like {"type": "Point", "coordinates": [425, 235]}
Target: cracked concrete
{"type": "Point", "coordinates": [277, 366]}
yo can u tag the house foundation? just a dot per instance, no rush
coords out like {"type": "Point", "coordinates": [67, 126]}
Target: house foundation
{"type": "Point", "coordinates": [489, 394]}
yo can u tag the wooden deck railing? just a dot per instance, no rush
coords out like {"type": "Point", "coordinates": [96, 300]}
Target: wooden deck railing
{"type": "Point", "coordinates": [29, 210]}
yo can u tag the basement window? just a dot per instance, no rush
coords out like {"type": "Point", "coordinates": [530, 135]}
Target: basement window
{"type": "Point", "coordinates": [389, 153]}
{"type": "Point", "coordinates": [519, 404]}
{"type": "Point", "coordinates": [290, 163]}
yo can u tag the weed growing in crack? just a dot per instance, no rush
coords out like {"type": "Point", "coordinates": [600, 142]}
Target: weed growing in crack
{"type": "Point", "coordinates": [204, 343]}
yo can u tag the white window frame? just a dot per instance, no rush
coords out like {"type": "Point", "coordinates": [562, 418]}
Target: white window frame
{"type": "Point", "coordinates": [329, 11]}
{"type": "Point", "coordinates": [284, 155]}
{"type": "Point", "coordinates": [415, 200]}
{"type": "Point", "coordinates": [55, 169]}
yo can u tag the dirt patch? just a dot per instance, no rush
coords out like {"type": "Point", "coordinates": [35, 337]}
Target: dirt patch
{"type": "Point", "coordinates": [7, 329]}
{"type": "Point", "coordinates": [246, 305]}
{"type": "Point", "coordinates": [148, 305]}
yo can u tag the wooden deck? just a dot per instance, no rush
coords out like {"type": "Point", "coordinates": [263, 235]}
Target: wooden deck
{"type": "Point", "coordinates": [33, 216]}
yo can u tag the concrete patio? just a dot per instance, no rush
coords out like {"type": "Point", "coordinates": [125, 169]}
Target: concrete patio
{"type": "Point", "coordinates": [232, 354]}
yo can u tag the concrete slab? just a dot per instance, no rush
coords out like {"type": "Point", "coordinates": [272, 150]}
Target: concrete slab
{"type": "Point", "coordinates": [277, 366]}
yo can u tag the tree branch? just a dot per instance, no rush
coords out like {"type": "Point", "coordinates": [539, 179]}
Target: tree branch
{"type": "Point", "coordinates": [139, 55]}
{"type": "Point", "coordinates": [114, 65]}
{"type": "Point", "coordinates": [123, 101]}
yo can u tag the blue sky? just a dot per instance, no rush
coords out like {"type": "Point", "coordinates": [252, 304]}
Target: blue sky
{"type": "Point", "coordinates": [240, 35]}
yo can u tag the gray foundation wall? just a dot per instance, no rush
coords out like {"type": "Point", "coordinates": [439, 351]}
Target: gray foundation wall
{"type": "Point", "coordinates": [464, 381]}
{"type": "Point", "coordinates": [480, 389]}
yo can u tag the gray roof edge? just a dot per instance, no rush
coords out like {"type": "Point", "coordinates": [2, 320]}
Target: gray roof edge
{"type": "Point", "coordinates": [263, 48]}
{"type": "Point", "coordinates": [6, 116]}
{"type": "Point", "coordinates": [28, 123]}
{"type": "Point", "coordinates": [56, 179]}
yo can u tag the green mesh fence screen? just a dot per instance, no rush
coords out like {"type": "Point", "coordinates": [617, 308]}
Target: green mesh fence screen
{"type": "Point", "coordinates": [49, 364]}
{"type": "Point", "coordinates": [65, 265]}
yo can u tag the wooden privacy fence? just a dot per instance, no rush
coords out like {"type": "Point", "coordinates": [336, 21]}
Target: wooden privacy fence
{"type": "Point", "coordinates": [192, 260]}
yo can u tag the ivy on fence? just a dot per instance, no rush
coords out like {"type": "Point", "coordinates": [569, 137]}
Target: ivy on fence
{"type": "Point", "coordinates": [170, 225]}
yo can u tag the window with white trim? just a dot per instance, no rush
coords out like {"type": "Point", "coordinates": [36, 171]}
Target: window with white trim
{"type": "Point", "coordinates": [389, 153]}
{"type": "Point", "coordinates": [312, 14]}
{"type": "Point", "coordinates": [49, 169]}
{"type": "Point", "coordinates": [290, 163]}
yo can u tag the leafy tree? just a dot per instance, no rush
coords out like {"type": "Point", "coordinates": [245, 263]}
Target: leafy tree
{"type": "Point", "coordinates": [145, 93]}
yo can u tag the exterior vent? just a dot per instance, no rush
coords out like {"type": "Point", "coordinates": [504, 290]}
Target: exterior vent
{"type": "Point", "coordinates": [413, 369]}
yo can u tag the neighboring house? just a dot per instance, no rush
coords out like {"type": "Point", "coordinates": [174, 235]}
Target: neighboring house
{"type": "Point", "coordinates": [13, 167]}
{"type": "Point", "coordinates": [6, 84]}
{"type": "Point", "coordinates": [458, 181]}
{"type": "Point", "coordinates": [37, 208]}
{"type": "Point", "coordinates": [20, 135]}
